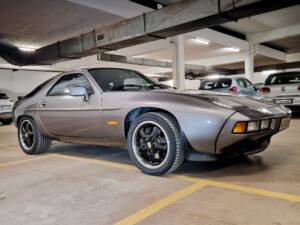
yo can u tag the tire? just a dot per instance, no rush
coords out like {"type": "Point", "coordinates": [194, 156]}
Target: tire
{"type": "Point", "coordinates": [165, 153]}
{"type": "Point", "coordinates": [38, 143]}
{"type": "Point", "coordinates": [6, 121]}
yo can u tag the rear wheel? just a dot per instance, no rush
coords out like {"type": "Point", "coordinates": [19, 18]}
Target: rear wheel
{"type": "Point", "coordinates": [30, 138]}
{"type": "Point", "coordinates": [6, 121]}
{"type": "Point", "coordinates": [154, 143]}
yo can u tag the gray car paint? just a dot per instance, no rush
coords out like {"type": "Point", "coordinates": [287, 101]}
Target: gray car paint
{"type": "Point", "coordinates": [206, 118]}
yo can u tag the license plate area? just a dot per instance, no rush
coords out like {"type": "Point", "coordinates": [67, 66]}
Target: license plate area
{"type": "Point", "coordinates": [283, 101]}
{"type": "Point", "coordinates": [284, 123]}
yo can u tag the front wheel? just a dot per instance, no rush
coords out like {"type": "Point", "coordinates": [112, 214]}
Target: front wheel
{"type": "Point", "coordinates": [155, 144]}
{"type": "Point", "coordinates": [31, 140]}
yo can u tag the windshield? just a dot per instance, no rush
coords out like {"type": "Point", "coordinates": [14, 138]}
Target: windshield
{"type": "Point", "coordinates": [283, 79]}
{"type": "Point", "coordinates": [122, 80]}
{"type": "Point", "coordinates": [3, 96]}
{"type": "Point", "coordinates": [215, 84]}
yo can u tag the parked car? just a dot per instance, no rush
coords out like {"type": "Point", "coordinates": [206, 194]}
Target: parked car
{"type": "Point", "coordinates": [6, 105]}
{"type": "Point", "coordinates": [232, 85]}
{"type": "Point", "coordinates": [160, 126]}
{"type": "Point", "coordinates": [283, 88]}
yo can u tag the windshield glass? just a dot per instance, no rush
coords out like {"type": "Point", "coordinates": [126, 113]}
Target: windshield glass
{"type": "Point", "coordinates": [283, 79]}
{"type": "Point", "coordinates": [122, 80]}
{"type": "Point", "coordinates": [3, 96]}
{"type": "Point", "coordinates": [215, 84]}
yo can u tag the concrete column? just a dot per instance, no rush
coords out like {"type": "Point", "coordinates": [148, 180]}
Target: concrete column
{"type": "Point", "coordinates": [178, 62]}
{"type": "Point", "coordinates": [249, 63]}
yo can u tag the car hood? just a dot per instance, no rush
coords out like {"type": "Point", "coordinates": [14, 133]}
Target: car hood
{"type": "Point", "coordinates": [238, 103]}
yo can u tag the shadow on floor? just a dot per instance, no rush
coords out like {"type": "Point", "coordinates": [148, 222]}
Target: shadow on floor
{"type": "Point", "coordinates": [234, 167]}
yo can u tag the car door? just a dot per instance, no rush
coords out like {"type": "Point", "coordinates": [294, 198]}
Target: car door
{"type": "Point", "coordinates": [74, 116]}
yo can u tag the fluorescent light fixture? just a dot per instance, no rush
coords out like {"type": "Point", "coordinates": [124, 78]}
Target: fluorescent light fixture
{"type": "Point", "coordinates": [268, 72]}
{"type": "Point", "coordinates": [232, 49]}
{"type": "Point", "coordinates": [27, 49]}
{"type": "Point", "coordinates": [214, 76]}
{"type": "Point", "coordinates": [201, 40]}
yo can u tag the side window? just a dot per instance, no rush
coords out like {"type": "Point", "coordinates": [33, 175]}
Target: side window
{"type": "Point", "coordinates": [61, 87]}
{"type": "Point", "coordinates": [241, 82]}
{"type": "Point", "coordinates": [248, 83]}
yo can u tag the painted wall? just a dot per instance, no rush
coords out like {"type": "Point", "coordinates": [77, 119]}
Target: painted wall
{"type": "Point", "coordinates": [19, 83]}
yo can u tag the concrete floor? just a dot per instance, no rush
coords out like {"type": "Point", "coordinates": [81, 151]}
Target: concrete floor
{"type": "Point", "coordinates": [79, 184]}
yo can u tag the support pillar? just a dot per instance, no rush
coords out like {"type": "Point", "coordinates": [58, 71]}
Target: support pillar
{"type": "Point", "coordinates": [178, 62]}
{"type": "Point", "coordinates": [249, 63]}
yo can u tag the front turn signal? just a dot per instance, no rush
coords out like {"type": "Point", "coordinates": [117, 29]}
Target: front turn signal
{"type": "Point", "coordinates": [240, 128]}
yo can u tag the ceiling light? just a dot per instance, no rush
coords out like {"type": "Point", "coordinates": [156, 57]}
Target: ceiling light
{"type": "Point", "coordinates": [201, 41]}
{"type": "Point", "coordinates": [27, 49]}
{"type": "Point", "coordinates": [232, 49]}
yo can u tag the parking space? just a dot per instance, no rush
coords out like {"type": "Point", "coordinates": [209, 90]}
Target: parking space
{"type": "Point", "coordinates": [80, 184]}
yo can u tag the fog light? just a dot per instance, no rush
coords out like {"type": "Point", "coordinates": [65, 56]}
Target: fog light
{"type": "Point", "coordinates": [253, 126]}
{"type": "Point", "coordinates": [240, 128]}
{"type": "Point", "coordinates": [265, 124]}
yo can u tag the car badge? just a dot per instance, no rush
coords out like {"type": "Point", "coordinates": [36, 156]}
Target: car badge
{"type": "Point", "coordinates": [282, 88]}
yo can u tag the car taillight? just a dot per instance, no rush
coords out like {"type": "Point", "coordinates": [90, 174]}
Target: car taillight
{"type": "Point", "coordinates": [233, 90]}
{"type": "Point", "coordinates": [265, 90]}
{"type": "Point", "coordinates": [299, 88]}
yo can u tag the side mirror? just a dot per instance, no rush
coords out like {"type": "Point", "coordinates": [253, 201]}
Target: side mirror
{"type": "Point", "coordinates": [79, 92]}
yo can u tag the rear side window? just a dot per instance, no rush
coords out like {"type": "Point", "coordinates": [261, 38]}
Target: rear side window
{"type": "Point", "coordinates": [3, 96]}
{"type": "Point", "coordinates": [215, 84]}
{"type": "Point", "coordinates": [283, 79]}
{"type": "Point", "coordinates": [60, 88]}
{"type": "Point", "coordinates": [244, 83]}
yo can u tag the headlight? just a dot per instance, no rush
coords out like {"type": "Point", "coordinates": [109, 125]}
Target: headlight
{"type": "Point", "coordinates": [244, 127]}
{"type": "Point", "coordinates": [265, 124]}
{"type": "Point", "coordinates": [253, 126]}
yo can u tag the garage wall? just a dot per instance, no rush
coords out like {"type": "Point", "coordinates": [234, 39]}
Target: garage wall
{"type": "Point", "coordinates": [19, 83]}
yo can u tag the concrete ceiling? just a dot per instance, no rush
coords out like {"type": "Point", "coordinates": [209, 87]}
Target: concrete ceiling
{"type": "Point", "coordinates": [289, 45]}
{"type": "Point", "coordinates": [36, 23]}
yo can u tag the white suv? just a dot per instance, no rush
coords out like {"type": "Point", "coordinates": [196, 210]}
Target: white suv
{"type": "Point", "coordinates": [6, 106]}
{"type": "Point", "coordinates": [283, 88]}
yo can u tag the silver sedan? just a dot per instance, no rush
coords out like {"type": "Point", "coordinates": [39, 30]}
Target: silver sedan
{"type": "Point", "coordinates": [160, 126]}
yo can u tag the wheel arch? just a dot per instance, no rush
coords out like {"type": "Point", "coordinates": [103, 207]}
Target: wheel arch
{"type": "Point", "coordinates": [136, 112]}
{"type": "Point", "coordinates": [21, 117]}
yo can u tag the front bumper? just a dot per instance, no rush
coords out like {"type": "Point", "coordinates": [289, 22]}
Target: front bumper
{"type": "Point", "coordinates": [5, 115]}
{"type": "Point", "coordinates": [249, 143]}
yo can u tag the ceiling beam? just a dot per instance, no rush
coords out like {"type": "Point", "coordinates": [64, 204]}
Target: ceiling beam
{"type": "Point", "coordinates": [142, 49]}
{"type": "Point", "coordinates": [220, 60]}
{"type": "Point", "coordinates": [273, 35]}
{"type": "Point", "coordinates": [143, 61]}
{"type": "Point", "coordinates": [270, 52]}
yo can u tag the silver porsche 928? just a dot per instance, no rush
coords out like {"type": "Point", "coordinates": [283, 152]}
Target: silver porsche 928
{"type": "Point", "coordinates": [161, 126]}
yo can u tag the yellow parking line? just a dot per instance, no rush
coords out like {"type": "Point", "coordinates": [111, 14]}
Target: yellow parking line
{"type": "Point", "coordinates": [163, 203]}
{"type": "Point", "coordinates": [240, 188]}
{"type": "Point", "coordinates": [99, 161]}
{"type": "Point", "coordinates": [23, 161]}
